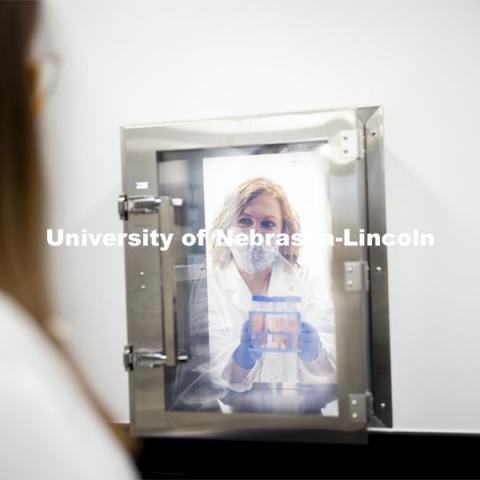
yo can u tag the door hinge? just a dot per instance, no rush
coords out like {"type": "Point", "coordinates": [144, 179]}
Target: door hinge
{"type": "Point", "coordinates": [358, 408]}
{"type": "Point", "coordinates": [352, 144]}
{"type": "Point", "coordinates": [356, 276]}
{"type": "Point", "coordinates": [145, 358]}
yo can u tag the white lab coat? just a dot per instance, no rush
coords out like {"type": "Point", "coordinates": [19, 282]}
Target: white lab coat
{"type": "Point", "coordinates": [229, 301]}
{"type": "Point", "coordinates": [48, 428]}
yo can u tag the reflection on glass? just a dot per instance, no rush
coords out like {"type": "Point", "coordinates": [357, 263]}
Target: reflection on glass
{"type": "Point", "coordinates": [262, 328]}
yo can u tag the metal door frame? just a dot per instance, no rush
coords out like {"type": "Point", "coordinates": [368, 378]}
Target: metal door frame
{"type": "Point", "coordinates": [370, 399]}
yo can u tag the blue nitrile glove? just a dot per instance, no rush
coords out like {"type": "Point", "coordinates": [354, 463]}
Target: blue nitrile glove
{"type": "Point", "coordinates": [242, 356]}
{"type": "Point", "coordinates": [308, 343]}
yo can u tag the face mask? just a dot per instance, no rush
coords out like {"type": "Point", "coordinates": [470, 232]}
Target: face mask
{"type": "Point", "coordinates": [254, 258]}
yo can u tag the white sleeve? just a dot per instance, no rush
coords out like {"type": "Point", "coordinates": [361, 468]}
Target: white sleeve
{"type": "Point", "coordinates": [247, 382]}
{"type": "Point", "coordinates": [223, 344]}
{"type": "Point", "coordinates": [43, 438]}
{"type": "Point", "coordinates": [318, 311]}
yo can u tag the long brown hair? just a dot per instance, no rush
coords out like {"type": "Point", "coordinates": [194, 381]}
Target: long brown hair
{"type": "Point", "coordinates": [23, 273]}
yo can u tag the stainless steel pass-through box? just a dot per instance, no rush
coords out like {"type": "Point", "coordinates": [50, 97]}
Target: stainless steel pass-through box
{"type": "Point", "coordinates": [308, 358]}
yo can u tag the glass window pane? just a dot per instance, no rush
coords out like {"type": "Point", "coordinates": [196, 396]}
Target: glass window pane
{"type": "Point", "coordinates": [254, 313]}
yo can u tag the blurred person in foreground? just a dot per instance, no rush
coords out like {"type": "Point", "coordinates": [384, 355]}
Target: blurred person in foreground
{"type": "Point", "coordinates": [52, 426]}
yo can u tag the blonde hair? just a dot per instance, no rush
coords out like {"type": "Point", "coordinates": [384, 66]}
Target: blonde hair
{"type": "Point", "coordinates": [236, 202]}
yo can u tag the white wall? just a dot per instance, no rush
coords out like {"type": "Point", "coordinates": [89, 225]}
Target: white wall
{"type": "Point", "coordinates": [151, 61]}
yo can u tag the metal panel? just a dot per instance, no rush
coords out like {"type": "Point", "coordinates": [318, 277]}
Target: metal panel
{"type": "Point", "coordinates": [144, 305]}
{"type": "Point", "coordinates": [147, 399]}
{"type": "Point", "coordinates": [379, 316]}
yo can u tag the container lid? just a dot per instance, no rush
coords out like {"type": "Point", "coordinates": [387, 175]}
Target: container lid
{"type": "Point", "coordinates": [260, 298]}
{"type": "Point", "coordinates": [277, 299]}
{"type": "Point", "coordinates": [293, 299]}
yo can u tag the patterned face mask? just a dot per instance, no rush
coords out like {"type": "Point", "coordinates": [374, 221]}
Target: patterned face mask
{"type": "Point", "coordinates": [254, 258]}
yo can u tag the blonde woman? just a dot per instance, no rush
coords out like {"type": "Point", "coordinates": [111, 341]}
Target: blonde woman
{"type": "Point", "coordinates": [52, 425]}
{"type": "Point", "coordinates": [236, 272]}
